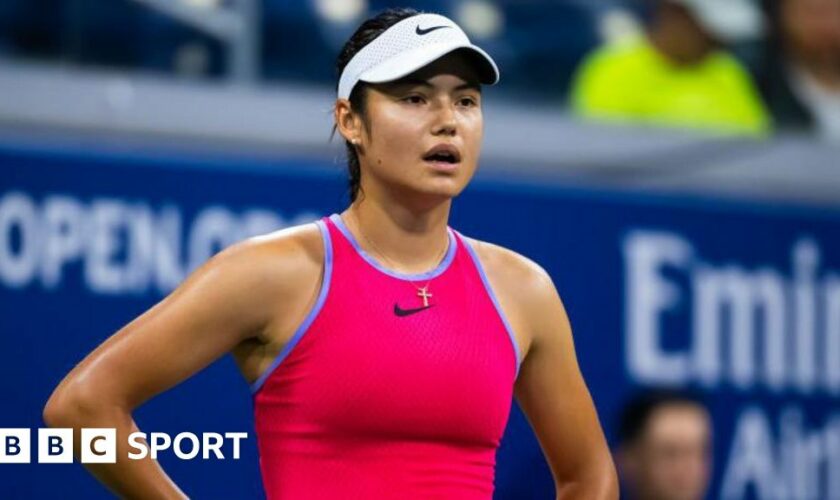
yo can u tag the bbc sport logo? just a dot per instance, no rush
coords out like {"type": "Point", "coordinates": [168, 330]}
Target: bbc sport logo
{"type": "Point", "coordinates": [99, 445]}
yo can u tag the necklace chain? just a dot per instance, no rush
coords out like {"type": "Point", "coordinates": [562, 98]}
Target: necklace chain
{"type": "Point", "coordinates": [422, 291]}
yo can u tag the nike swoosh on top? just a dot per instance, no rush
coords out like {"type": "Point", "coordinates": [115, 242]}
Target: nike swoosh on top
{"type": "Point", "coordinates": [420, 31]}
{"type": "Point", "coordinates": [405, 312]}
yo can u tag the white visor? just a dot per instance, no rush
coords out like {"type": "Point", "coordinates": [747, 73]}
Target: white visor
{"type": "Point", "coordinates": [728, 20]}
{"type": "Point", "coordinates": [408, 46]}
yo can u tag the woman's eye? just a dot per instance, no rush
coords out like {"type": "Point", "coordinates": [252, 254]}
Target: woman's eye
{"type": "Point", "coordinates": [468, 101]}
{"type": "Point", "coordinates": [414, 99]}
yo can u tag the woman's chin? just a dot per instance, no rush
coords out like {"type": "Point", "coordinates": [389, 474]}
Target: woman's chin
{"type": "Point", "coordinates": [444, 184]}
{"type": "Point", "coordinates": [432, 192]}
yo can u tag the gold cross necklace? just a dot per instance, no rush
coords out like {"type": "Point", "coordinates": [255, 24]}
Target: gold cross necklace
{"type": "Point", "coordinates": [422, 291]}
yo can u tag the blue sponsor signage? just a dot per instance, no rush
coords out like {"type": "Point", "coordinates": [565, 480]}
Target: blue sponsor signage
{"type": "Point", "coordinates": [739, 301]}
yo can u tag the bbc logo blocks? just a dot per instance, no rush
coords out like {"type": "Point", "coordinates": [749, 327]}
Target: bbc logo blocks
{"type": "Point", "coordinates": [99, 445]}
{"type": "Point", "coordinates": [14, 446]}
{"type": "Point", "coordinates": [55, 446]}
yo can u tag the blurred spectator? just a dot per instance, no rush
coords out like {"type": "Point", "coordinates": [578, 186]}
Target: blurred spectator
{"type": "Point", "coordinates": [664, 449]}
{"type": "Point", "coordinates": [802, 81]}
{"type": "Point", "coordinates": [677, 74]}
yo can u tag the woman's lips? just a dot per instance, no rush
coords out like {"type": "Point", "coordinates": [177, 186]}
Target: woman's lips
{"type": "Point", "coordinates": [442, 166]}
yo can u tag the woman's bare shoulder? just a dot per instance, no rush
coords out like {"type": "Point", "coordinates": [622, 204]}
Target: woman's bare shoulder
{"type": "Point", "coordinates": [260, 275]}
{"type": "Point", "coordinates": [285, 257]}
{"type": "Point", "coordinates": [521, 286]}
{"type": "Point", "coordinates": [511, 269]}
{"type": "Point", "coordinates": [302, 240]}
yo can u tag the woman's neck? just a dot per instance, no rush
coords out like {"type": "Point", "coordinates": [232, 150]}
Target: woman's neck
{"type": "Point", "coordinates": [408, 240]}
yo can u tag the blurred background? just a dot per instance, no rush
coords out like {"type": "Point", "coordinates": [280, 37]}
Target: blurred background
{"type": "Point", "coordinates": [675, 166]}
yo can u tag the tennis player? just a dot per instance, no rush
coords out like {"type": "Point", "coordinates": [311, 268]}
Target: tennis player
{"type": "Point", "coordinates": [383, 346]}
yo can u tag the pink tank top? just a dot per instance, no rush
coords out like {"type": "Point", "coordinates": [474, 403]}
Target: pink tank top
{"type": "Point", "coordinates": [378, 396]}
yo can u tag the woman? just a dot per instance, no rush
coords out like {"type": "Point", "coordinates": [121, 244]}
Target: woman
{"type": "Point", "coordinates": [383, 347]}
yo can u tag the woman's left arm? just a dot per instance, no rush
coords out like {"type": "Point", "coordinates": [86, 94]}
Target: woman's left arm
{"type": "Point", "coordinates": [552, 393]}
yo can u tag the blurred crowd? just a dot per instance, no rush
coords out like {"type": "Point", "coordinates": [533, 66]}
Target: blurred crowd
{"type": "Point", "coordinates": [726, 66]}
{"type": "Point", "coordinates": [680, 70]}
{"type": "Point", "coordinates": [663, 446]}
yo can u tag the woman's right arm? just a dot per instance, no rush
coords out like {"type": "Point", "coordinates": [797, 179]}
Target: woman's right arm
{"type": "Point", "coordinates": [231, 298]}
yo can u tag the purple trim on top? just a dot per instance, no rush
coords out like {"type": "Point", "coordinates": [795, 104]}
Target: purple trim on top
{"type": "Point", "coordinates": [437, 271]}
{"type": "Point", "coordinates": [310, 317]}
{"type": "Point", "coordinates": [495, 301]}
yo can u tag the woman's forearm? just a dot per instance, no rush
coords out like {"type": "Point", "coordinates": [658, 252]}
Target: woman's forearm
{"type": "Point", "coordinates": [600, 484]}
{"type": "Point", "coordinates": [593, 491]}
{"type": "Point", "coordinates": [127, 478]}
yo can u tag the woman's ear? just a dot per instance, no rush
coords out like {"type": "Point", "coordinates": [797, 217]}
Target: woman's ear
{"type": "Point", "coordinates": [348, 122]}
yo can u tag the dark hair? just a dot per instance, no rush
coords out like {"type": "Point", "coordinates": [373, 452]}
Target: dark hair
{"type": "Point", "coordinates": [365, 34]}
{"type": "Point", "coordinates": [638, 410]}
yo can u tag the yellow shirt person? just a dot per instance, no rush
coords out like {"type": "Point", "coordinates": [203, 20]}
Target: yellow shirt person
{"type": "Point", "coordinates": [633, 82]}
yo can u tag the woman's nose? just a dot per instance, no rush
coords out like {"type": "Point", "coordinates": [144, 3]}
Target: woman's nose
{"type": "Point", "coordinates": [446, 121]}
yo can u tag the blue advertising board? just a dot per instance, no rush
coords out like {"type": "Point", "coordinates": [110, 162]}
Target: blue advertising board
{"type": "Point", "coordinates": [740, 301]}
